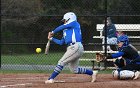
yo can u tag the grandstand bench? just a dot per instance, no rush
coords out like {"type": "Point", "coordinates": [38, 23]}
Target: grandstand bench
{"type": "Point", "coordinates": [120, 27]}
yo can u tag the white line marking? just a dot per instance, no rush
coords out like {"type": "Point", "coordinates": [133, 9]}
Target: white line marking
{"type": "Point", "coordinates": [59, 81]}
{"type": "Point", "coordinates": [15, 85]}
{"type": "Point", "coordinates": [24, 78]}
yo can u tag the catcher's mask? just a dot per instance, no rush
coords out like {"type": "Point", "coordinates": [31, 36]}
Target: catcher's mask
{"type": "Point", "coordinates": [124, 39]}
{"type": "Point", "coordinates": [69, 17]}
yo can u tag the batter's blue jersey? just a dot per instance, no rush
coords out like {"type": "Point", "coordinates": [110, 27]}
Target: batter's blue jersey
{"type": "Point", "coordinates": [71, 33]}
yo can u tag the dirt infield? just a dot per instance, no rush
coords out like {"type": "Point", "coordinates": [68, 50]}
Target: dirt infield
{"type": "Point", "coordinates": [71, 81]}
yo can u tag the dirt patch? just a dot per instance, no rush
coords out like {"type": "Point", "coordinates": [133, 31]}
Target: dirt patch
{"type": "Point", "coordinates": [71, 81]}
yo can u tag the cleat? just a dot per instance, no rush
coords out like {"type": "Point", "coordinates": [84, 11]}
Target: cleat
{"type": "Point", "coordinates": [94, 75]}
{"type": "Point", "coordinates": [49, 81]}
{"type": "Point", "coordinates": [137, 73]}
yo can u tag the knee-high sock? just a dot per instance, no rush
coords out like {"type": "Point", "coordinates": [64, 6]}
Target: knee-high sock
{"type": "Point", "coordinates": [56, 71]}
{"type": "Point", "coordinates": [85, 71]}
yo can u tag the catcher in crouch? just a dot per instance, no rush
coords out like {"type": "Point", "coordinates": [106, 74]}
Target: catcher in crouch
{"type": "Point", "coordinates": [128, 66]}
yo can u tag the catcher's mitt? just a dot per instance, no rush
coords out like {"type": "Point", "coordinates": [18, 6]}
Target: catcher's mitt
{"type": "Point", "coordinates": [100, 57]}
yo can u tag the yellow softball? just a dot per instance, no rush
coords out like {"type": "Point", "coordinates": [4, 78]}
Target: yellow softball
{"type": "Point", "coordinates": [38, 50]}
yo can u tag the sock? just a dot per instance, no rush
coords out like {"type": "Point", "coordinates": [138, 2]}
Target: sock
{"type": "Point", "coordinates": [57, 70]}
{"type": "Point", "coordinates": [85, 71]}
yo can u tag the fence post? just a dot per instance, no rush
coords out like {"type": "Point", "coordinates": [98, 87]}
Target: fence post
{"type": "Point", "coordinates": [105, 44]}
{"type": "Point", "coordinates": [0, 36]}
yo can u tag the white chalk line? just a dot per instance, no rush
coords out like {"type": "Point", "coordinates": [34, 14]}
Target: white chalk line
{"type": "Point", "coordinates": [24, 78]}
{"type": "Point", "coordinates": [25, 84]}
{"type": "Point", "coordinates": [14, 85]}
{"type": "Point", "coordinates": [59, 81]}
{"type": "Point", "coordinates": [29, 78]}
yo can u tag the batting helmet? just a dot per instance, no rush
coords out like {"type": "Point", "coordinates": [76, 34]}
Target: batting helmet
{"type": "Point", "coordinates": [69, 17]}
{"type": "Point", "coordinates": [124, 39]}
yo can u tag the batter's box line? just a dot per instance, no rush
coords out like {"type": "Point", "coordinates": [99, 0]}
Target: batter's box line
{"type": "Point", "coordinates": [59, 81]}
{"type": "Point", "coordinates": [24, 78]}
{"type": "Point", "coordinates": [25, 84]}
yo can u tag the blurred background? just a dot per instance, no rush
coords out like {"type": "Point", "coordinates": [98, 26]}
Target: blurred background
{"type": "Point", "coordinates": [25, 25]}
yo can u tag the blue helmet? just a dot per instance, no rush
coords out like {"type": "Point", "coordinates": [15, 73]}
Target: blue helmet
{"type": "Point", "coordinates": [124, 39]}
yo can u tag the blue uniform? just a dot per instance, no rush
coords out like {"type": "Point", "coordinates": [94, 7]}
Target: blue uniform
{"type": "Point", "coordinates": [128, 53]}
{"type": "Point", "coordinates": [129, 65]}
{"type": "Point", "coordinates": [131, 57]}
{"type": "Point", "coordinates": [71, 33]}
{"type": "Point", "coordinates": [72, 37]}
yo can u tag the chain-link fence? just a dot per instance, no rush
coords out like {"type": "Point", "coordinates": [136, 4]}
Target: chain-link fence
{"type": "Point", "coordinates": [25, 25]}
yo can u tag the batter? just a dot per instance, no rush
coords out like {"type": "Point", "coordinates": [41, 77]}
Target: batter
{"type": "Point", "coordinates": [72, 37]}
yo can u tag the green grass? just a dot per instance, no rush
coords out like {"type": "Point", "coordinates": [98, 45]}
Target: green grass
{"type": "Point", "coordinates": [32, 71]}
{"type": "Point", "coordinates": [105, 72]}
{"type": "Point", "coordinates": [40, 59]}
{"type": "Point", "coordinates": [46, 72]}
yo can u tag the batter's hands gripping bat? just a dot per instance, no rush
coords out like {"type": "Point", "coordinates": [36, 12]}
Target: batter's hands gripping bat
{"type": "Point", "coordinates": [50, 34]}
{"type": "Point", "coordinates": [47, 47]}
{"type": "Point", "coordinates": [100, 57]}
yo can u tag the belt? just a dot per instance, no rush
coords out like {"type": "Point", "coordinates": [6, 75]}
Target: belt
{"type": "Point", "coordinates": [73, 43]}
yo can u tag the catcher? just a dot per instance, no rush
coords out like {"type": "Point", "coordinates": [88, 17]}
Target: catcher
{"type": "Point", "coordinates": [128, 66]}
